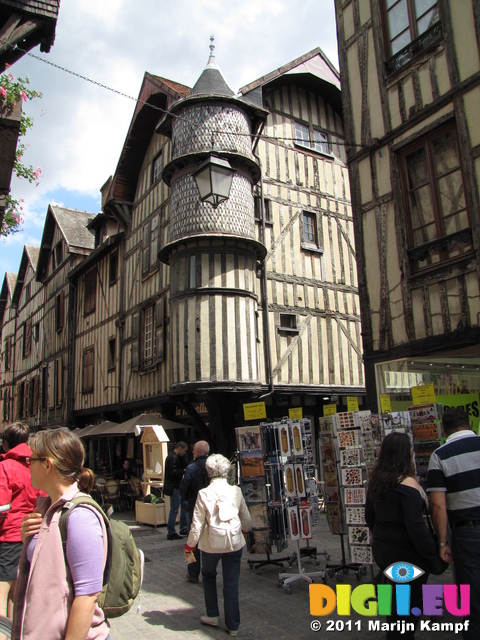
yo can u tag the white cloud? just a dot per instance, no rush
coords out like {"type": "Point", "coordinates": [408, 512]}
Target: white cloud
{"type": "Point", "coordinates": [80, 128]}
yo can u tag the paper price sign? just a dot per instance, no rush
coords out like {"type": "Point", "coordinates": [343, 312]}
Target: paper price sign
{"type": "Point", "coordinates": [352, 403]}
{"type": "Point", "coordinates": [423, 394]}
{"type": "Point", "coordinates": [329, 409]}
{"type": "Point", "coordinates": [254, 411]}
{"type": "Point", "coordinates": [385, 404]}
{"type": "Point", "coordinates": [296, 413]}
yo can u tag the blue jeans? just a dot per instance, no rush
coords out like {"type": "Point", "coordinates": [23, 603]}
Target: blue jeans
{"type": "Point", "coordinates": [231, 574]}
{"type": "Point", "coordinates": [175, 503]}
{"type": "Point", "coordinates": [466, 554]}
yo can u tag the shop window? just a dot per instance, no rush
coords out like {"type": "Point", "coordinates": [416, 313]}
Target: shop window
{"type": "Point", "coordinates": [87, 370]}
{"type": "Point", "coordinates": [90, 292]}
{"type": "Point", "coordinates": [438, 224]}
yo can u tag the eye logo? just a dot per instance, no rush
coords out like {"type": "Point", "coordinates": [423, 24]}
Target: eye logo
{"type": "Point", "coordinates": [403, 572]}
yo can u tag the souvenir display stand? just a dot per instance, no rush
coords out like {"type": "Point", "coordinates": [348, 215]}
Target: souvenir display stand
{"type": "Point", "coordinates": [155, 450]}
{"type": "Point", "coordinates": [261, 479]}
{"type": "Point", "coordinates": [275, 460]}
{"type": "Point", "coordinates": [422, 424]}
{"type": "Point", "coordinates": [347, 442]}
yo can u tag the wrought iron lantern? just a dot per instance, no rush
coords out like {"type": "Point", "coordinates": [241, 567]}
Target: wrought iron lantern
{"type": "Point", "coordinates": [214, 179]}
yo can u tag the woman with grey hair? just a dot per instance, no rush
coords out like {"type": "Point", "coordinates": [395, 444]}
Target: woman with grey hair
{"type": "Point", "coordinates": [219, 520]}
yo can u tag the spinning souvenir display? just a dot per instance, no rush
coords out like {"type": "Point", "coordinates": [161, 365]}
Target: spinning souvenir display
{"type": "Point", "coordinates": [348, 442]}
{"type": "Point", "coordinates": [277, 478]}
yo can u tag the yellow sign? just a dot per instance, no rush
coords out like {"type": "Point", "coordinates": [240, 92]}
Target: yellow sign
{"type": "Point", "coordinates": [385, 404]}
{"type": "Point", "coordinates": [329, 409]}
{"type": "Point", "coordinates": [423, 394]}
{"type": "Point", "coordinates": [470, 402]}
{"type": "Point", "coordinates": [296, 413]}
{"type": "Point", "coordinates": [254, 411]}
{"type": "Point", "coordinates": [352, 403]}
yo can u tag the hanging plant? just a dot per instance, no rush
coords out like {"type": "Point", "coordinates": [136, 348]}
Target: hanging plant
{"type": "Point", "coordinates": [11, 91]}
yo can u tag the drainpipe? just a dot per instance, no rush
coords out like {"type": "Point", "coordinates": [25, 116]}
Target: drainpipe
{"type": "Point", "coordinates": [263, 282]}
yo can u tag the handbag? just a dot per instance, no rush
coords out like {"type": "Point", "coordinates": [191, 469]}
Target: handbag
{"type": "Point", "coordinates": [439, 566]}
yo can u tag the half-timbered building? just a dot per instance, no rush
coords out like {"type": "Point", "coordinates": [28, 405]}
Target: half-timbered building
{"type": "Point", "coordinates": [191, 307]}
{"type": "Point", "coordinates": [411, 88]}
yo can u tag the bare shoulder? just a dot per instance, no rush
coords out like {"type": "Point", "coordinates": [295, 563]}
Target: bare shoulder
{"type": "Point", "coordinates": [411, 482]}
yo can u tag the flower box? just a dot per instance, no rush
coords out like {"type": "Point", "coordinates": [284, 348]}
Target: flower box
{"type": "Point", "coordinates": [149, 513]}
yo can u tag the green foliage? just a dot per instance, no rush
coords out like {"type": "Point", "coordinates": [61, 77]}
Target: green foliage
{"type": "Point", "coordinates": [11, 91]}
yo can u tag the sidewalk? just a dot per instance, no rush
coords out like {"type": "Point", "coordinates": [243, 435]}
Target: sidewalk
{"type": "Point", "coordinates": [170, 606]}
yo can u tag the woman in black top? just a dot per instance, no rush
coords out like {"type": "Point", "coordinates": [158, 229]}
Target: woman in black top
{"type": "Point", "coordinates": [394, 514]}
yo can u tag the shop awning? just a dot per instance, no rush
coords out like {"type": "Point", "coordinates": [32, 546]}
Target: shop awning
{"type": "Point", "coordinates": [134, 425]}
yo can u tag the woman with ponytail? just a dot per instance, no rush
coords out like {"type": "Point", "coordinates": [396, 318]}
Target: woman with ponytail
{"type": "Point", "coordinates": [57, 588]}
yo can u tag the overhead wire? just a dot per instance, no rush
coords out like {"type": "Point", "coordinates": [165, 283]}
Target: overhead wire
{"type": "Point", "coordinates": [160, 109]}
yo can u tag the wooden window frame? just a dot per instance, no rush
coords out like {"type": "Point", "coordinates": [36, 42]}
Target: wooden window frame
{"type": "Point", "coordinates": [418, 41]}
{"type": "Point", "coordinates": [306, 242]}
{"type": "Point", "coordinates": [439, 243]}
{"type": "Point", "coordinates": [112, 354]}
{"type": "Point", "coordinates": [157, 167]}
{"type": "Point", "coordinates": [27, 338]}
{"type": "Point", "coordinates": [60, 311]}
{"type": "Point", "coordinates": [150, 243]}
{"type": "Point", "coordinates": [59, 253]}
{"type": "Point", "coordinates": [90, 292]}
{"type": "Point", "coordinates": [287, 323]}
{"type": "Point", "coordinates": [308, 138]}
{"type": "Point", "coordinates": [88, 370]}
{"type": "Point", "coordinates": [259, 211]}
{"type": "Point", "coordinates": [148, 336]}
{"type": "Point", "coordinates": [113, 268]}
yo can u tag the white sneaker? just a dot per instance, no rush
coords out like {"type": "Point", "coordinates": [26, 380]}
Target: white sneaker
{"type": "Point", "coordinates": [232, 633]}
{"type": "Point", "coordinates": [210, 620]}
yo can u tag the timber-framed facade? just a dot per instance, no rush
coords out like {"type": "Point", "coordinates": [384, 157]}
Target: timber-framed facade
{"type": "Point", "coordinates": [411, 88]}
{"type": "Point", "coordinates": [224, 317]}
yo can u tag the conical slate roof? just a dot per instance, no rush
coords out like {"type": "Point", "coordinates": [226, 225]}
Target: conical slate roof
{"type": "Point", "coordinates": [211, 82]}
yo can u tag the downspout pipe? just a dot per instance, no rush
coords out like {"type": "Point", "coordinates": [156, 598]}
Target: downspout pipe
{"type": "Point", "coordinates": [263, 284]}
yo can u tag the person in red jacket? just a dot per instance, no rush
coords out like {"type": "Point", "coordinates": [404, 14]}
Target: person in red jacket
{"type": "Point", "coordinates": [16, 490]}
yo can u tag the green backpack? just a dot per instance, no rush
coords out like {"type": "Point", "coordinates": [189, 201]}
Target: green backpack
{"type": "Point", "coordinates": [123, 575]}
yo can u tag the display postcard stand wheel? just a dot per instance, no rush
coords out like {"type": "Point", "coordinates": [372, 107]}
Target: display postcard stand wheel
{"type": "Point", "coordinates": [334, 570]}
{"type": "Point", "coordinates": [286, 580]}
{"type": "Point", "coordinates": [258, 564]}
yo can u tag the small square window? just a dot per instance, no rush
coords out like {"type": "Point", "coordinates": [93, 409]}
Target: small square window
{"type": "Point", "coordinates": [288, 323]}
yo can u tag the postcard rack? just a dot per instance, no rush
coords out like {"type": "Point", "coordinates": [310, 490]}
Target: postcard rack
{"type": "Point", "coordinates": [348, 442]}
{"type": "Point", "coordinates": [261, 479]}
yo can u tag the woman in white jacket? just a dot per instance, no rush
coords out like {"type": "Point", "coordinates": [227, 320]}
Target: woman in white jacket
{"type": "Point", "coordinates": [219, 520]}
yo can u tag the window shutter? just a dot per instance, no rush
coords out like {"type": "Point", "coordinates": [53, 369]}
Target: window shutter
{"type": "Point", "coordinates": [36, 394]}
{"type": "Point", "coordinates": [59, 385]}
{"type": "Point", "coordinates": [159, 329]}
{"type": "Point", "coordinates": [135, 345]}
{"type": "Point", "coordinates": [147, 236]}
{"type": "Point", "coordinates": [51, 385]}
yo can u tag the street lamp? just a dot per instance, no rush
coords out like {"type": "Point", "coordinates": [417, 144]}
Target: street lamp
{"type": "Point", "coordinates": [214, 179]}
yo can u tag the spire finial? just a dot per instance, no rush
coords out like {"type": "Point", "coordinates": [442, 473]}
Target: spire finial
{"type": "Point", "coordinates": [212, 46]}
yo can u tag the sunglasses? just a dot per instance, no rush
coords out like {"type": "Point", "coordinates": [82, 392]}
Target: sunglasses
{"type": "Point", "coordinates": [30, 460]}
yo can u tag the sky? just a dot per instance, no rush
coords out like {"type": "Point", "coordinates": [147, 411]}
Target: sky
{"type": "Point", "coordinates": [80, 127]}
